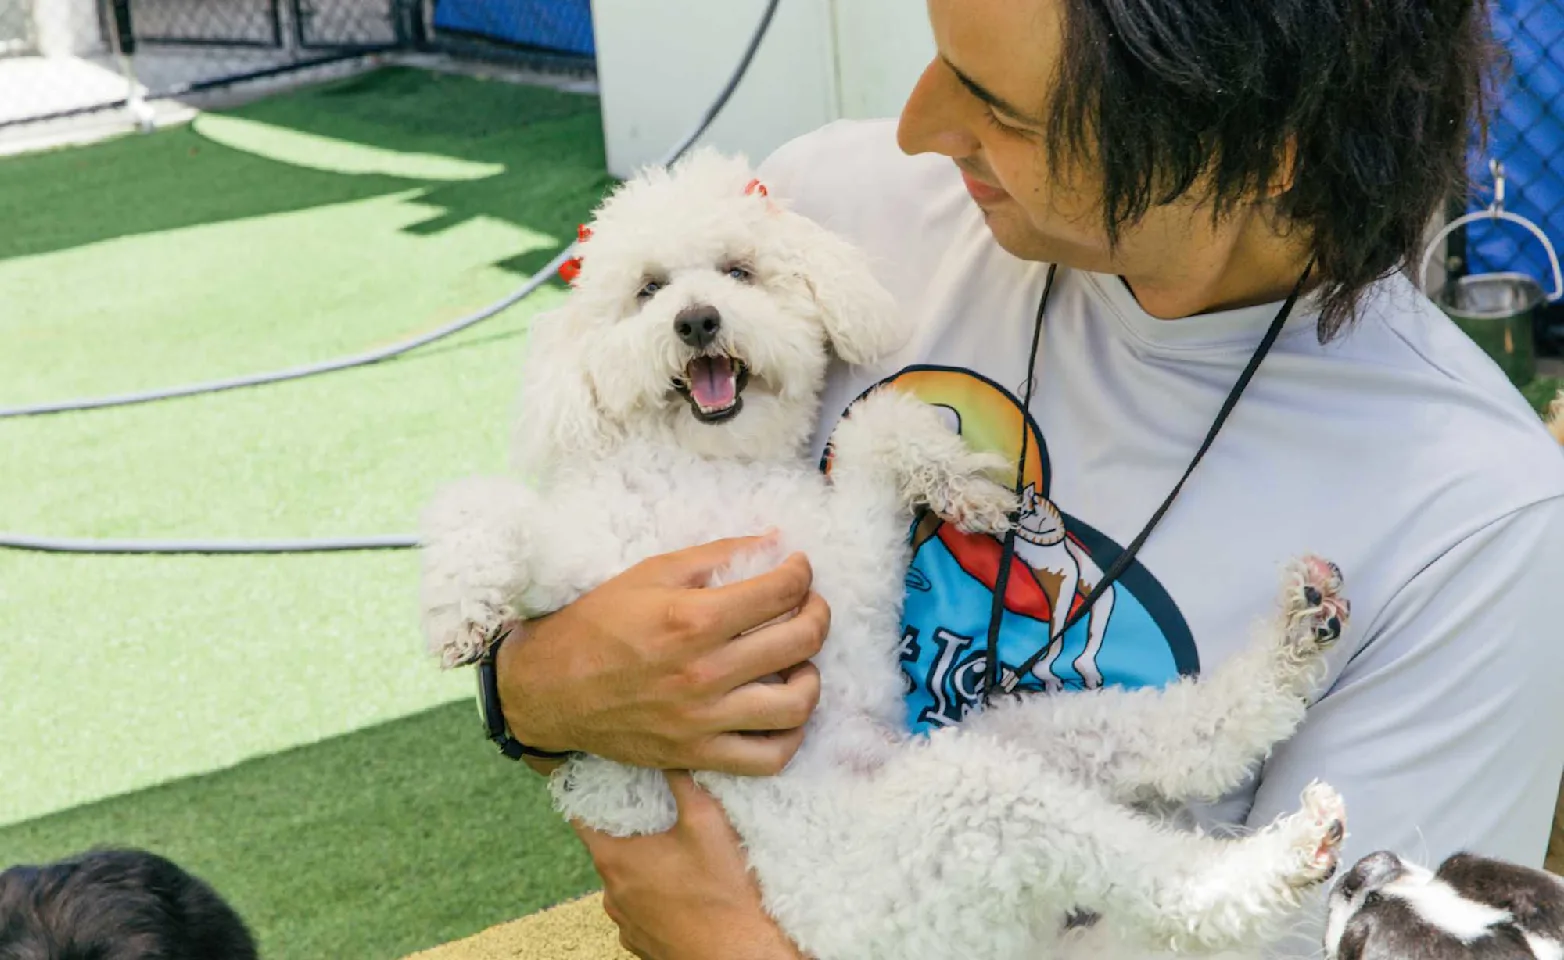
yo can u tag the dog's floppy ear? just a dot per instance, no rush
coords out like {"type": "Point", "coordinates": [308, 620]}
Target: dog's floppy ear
{"type": "Point", "coordinates": [558, 413]}
{"type": "Point", "coordinates": [860, 316]}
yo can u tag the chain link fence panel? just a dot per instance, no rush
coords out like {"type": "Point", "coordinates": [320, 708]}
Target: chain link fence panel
{"type": "Point", "coordinates": [234, 23]}
{"type": "Point", "coordinates": [16, 28]}
{"type": "Point", "coordinates": [65, 57]}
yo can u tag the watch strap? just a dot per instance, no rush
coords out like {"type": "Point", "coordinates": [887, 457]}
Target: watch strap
{"type": "Point", "coordinates": [489, 705]}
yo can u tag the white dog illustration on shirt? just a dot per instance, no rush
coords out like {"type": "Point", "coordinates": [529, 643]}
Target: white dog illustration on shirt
{"type": "Point", "coordinates": [1042, 544]}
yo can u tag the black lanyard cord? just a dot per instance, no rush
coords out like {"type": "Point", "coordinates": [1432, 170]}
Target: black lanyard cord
{"type": "Point", "coordinates": [1124, 559]}
{"type": "Point", "coordinates": [1007, 554]}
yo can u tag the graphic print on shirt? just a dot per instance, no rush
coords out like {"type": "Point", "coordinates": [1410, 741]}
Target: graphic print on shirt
{"type": "Point", "coordinates": [1133, 635]}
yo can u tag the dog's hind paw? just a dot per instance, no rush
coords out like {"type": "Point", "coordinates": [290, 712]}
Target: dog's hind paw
{"type": "Point", "coordinates": [1315, 611]}
{"type": "Point", "coordinates": [1246, 894]}
{"type": "Point", "coordinates": [1315, 835]}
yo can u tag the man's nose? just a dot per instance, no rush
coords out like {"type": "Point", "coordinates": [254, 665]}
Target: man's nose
{"type": "Point", "coordinates": [933, 120]}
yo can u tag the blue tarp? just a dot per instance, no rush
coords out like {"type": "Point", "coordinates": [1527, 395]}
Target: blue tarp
{"type": "Point", "coordinates": [564, 26]}
{"type": "Point", "coordinates": [1527, 136]}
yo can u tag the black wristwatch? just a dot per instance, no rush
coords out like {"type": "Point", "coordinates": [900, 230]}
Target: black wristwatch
{"type": "Point", "coordinates": [489, 705]}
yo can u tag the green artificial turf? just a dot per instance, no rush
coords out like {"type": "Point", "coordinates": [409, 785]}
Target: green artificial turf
{"type": "Point", "coordinates": [372, 845]}
{"type": "Point", "coordinates": [1541, 391]}
{"type": "Point", "coordinates": [329, 220]}
{"type": "Point", "coordinates": [263, 238]}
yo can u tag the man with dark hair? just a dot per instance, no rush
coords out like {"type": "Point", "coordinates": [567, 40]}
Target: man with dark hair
{"type": "Point", "coordinates": [1131, 230]}
{"type": "Point", "coordinates": [114, 904]}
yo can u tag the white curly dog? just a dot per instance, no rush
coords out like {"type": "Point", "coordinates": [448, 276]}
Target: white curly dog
{"type": "Point", "coordinates": [670, 402]}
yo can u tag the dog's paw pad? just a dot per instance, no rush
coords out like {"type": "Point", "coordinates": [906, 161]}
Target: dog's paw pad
{"type": "Point", "coordinates": [1317, 832]}
{"type": "Point", "coordinates": [478, 628]}
{"type": "Point", "coordinates": [1316, 611]}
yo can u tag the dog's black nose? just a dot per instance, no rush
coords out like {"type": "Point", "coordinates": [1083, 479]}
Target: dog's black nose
{"type": "Point", "coordinates": [698, 326]}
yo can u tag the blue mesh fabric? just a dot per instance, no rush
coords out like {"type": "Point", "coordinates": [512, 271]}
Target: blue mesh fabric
{"type": "Point", "coordinates": [1527, 136]}
{"type": "Point", "coordinates": [563, 26]}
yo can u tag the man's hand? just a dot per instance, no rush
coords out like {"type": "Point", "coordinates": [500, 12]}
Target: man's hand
{"type": "Point", "coordinates": [686, 894]}
{"type": "Point", "coordinates": [650, 668]}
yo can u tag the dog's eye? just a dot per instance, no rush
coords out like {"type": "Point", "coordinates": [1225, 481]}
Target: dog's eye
{"type": "Point", "coordinates": [1372, 900]}
{"type": "Point", "coordinates": [648, 290]}
{"type": "Point", "coordinates": [741, 273]}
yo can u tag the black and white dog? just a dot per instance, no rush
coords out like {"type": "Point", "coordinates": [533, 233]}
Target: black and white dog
{"type": "Point", "coordinates": [116, 905]}
{"type": "Point", "coordinates": [1471, 908]}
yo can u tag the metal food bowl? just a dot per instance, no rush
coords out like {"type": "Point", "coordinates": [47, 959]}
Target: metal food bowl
{"type": "Point", "coordinates": [1497, 311]}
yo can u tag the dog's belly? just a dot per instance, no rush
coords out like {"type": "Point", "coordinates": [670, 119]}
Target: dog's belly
{"type": "Point", "coordinates": [645, 504]}
{"type": "Point", "coordinates": [649, 505]}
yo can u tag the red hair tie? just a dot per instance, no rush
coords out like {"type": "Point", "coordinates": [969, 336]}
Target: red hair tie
{"type": "Point", "coordinates": [571, 269]}
{"type": "Point", "coordinates": [755, 186]}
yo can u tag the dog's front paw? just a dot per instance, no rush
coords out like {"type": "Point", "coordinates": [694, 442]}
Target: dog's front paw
{"type": "Point", "coordinates": [1315, 611]}
{"type": "Point", "coordinates": [1314, 836]}
{"type": "Point", "coordinates": [963, 490]}
{"type": "Point", "coordinates": [974, 503]}
{"type": "Point", "coordinates": [462, 636]}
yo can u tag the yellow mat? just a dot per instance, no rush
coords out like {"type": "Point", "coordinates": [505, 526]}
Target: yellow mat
{"type": "Point", "coordinates": [577, 930]}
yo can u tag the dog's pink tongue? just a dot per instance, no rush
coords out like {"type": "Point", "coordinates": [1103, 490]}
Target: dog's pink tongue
{"type": "Point", "coordinates": [712, 383]}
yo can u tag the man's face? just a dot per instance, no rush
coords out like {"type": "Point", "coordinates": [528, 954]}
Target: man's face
{"type": "Point", "coordinates": [983, 102]}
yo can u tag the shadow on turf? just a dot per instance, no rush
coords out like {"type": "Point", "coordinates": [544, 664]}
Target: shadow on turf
{"type": "Point", "coordinates": [371, 845]}
{"type": "Point", "coordinates": [550, 144]}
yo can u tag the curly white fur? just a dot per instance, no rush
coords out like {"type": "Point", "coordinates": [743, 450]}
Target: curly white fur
{"type": "Point", "coordinates": [1554, 417]}
{"type": "Point", "coordinates": [978, 840]}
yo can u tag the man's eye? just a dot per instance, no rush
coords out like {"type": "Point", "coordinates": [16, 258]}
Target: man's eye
{"type": "Point", "coordinates": [741, 273]}
{"type": "Point", "coordinates": [1000, 121]}
{"type": "Point", "coordinates": [648, 290]}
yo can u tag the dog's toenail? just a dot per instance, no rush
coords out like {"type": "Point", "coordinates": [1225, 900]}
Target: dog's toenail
{"type": "Point", "coordinates": [1311, 596]}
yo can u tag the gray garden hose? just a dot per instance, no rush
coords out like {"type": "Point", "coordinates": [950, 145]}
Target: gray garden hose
{"type": "Point", "coordinates": [13, 541]}
{"type": "Point", "coordinates": [298, 373]}
{"type": "Point", "coordinates": [387, 542]}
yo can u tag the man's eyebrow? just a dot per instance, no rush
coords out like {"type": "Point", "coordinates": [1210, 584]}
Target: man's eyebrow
{"type": "Point", "coordinates": [989, 97]}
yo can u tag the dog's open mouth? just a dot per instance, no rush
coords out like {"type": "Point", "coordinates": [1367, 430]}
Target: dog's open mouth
{"type": "Point", "coordinates": [714, 386]}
